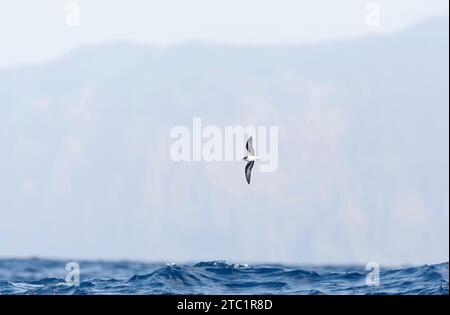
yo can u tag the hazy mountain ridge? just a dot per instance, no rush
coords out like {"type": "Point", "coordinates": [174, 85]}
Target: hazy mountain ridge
{"type": "Point", "coordinates": [363, 151]}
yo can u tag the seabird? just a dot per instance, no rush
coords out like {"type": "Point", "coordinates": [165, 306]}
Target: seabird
{"type": "Point", "coordinates": [250, 158]}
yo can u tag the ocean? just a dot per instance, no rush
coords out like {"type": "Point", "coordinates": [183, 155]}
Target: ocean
{"type": "Point", "coordinates": [47, 277]}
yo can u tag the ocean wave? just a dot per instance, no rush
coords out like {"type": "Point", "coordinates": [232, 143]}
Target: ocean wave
{"type": "Point", "coordinates": [37, 276]}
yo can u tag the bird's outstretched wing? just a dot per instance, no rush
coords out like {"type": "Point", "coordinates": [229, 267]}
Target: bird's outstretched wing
{"type": "Point", "coordinates": [248, 171]}
{"type": "Point", "coordinates": [249, 146]}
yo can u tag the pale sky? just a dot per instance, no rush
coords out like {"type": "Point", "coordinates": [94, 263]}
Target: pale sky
{"type": "Point", "coordinates": [85, 169]}
{"type": "Point", "coordinates": [36, 31]}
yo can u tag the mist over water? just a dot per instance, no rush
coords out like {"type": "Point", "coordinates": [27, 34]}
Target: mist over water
{"type": "Point", "coordinates": [363, 152]}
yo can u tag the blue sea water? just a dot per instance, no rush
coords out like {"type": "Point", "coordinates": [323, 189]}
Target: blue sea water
{"type": "Point", "coordinates": [40, 276]}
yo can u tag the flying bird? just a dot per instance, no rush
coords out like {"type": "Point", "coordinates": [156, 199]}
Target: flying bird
{"type": "Point", "coordinates": [250, 158]}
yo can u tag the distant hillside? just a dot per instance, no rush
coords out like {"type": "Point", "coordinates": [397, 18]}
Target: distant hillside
{"type": "Point", "coordinates": [364, 151]}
